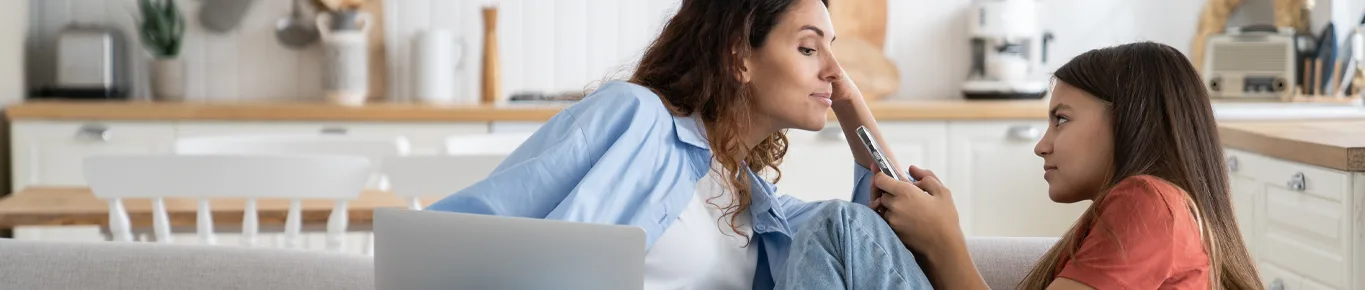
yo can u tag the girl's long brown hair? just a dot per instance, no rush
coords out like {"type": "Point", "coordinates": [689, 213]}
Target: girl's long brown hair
{"type": "Point", "coordinates": [695, 64]}
{"type": "Point", "coordinates": [1163, 126]}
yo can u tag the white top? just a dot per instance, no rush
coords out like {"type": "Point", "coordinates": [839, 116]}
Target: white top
{"type": "Point", "coordinates": [694, 253]}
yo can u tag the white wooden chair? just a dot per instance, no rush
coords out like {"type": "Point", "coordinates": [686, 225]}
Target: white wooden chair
{"type": "Point", "coordinates": [496, 143]}
{"type": "Point", "coordinates": [295, 177]}
{"type": "Point", "coordinates": [373, 148]}
{"type": "Point", "coordinates": [468, 159]}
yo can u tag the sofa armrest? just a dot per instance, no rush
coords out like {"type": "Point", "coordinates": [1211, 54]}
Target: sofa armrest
{"type": "Point", "coordinates": [1004, 261]}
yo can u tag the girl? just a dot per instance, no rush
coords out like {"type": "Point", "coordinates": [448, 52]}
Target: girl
{"type": "Point", "coordinates": [1133, 131]}
{"type": "Point", "coordinates": [680, 149]}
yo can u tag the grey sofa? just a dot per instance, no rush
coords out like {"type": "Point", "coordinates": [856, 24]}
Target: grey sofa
{"type": "Point", "coordinates": [110, 265]}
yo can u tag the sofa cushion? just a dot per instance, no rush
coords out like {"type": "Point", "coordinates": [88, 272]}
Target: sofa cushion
{"type": "Point", "coordinates": [1003, 262]}
{"type": "Point", "coordinates": [116, 265]}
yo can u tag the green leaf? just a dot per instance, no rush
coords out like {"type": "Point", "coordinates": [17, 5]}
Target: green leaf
{"type": "Point", "coordinates": [162, 27]}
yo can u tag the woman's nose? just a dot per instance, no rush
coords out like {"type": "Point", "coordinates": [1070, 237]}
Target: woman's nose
{"type": "Point", "coordinates": [831, 71]}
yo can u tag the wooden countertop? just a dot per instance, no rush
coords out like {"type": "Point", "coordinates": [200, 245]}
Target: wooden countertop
{"type": "Point", "coordinates": [50, 206]}
{"type": "Point", "coordinates": [1336, 144]}
{"type": "Point", "coordinates": [410, 112]}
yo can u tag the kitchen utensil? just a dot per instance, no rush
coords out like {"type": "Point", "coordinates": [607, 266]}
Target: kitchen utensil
{"type": "Point", "coordinates": [295, 31]}
{"type": "Point", "coordinates": [1327, 53]}
{"type": "Point", "coordinates": [346, 48]}
{"type": "Point", "coordinates": [436, 59]}
{"type": "Point", "coordinates": [223, 15]}
{"type": "Point", "coordinates": [492, 89]}
{"type": "Point", "coordinates": [91, 63]}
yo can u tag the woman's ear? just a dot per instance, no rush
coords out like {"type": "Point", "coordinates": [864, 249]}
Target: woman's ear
{"type": "Point", "coordinates": [746, 62]}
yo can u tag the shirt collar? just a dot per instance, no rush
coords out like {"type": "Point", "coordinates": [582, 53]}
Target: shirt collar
{"type": "Point", "coordinates": [690, 131]}
{"type": "Point", "coordinates": [762, 192]}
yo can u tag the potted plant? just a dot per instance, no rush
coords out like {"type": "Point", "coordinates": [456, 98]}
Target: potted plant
{"type": "Point", "coordinates": [162, 28]}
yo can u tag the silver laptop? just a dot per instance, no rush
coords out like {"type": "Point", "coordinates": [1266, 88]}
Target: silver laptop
{"type": "Point", "coordinates": [444, 250]}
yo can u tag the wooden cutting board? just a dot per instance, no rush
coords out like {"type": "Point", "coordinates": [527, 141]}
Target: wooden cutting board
{"type": "Point", "coordinates": [379, 60]}
{"type": "Point", "coordinates": [865, 19]}
{"type": "Point", "coordinates": [860, 48]}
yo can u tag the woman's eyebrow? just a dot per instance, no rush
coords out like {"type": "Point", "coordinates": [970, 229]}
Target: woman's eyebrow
{"type": "Point", "coordinates": [818, 31]}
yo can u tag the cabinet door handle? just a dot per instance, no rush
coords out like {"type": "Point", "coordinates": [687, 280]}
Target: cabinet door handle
{"type": "Point", "coordinates": [334, 130]}
{"type": "Point", "coordinates": [1298, 182]}
{"type": "Point", "coordinates": [1232, 163]}
{"type": "Point", "coordinates": [1025, 133]}
{"type": "Point", "coordinates": [833, 133]}
{"type": "Point", "coordinates": [96, 132]}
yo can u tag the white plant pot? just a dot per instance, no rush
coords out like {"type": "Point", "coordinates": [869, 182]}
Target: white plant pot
{"type": "Point", "coordinates": [168, 79]}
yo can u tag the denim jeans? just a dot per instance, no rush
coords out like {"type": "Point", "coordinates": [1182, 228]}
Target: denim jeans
{"type": "Point", "coordinates": [848, 246]}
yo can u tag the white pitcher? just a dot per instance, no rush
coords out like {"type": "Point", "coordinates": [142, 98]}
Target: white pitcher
{"type": "Point", "coordinates": [345, 73]}
{"type": "Point", "coordinates": [436, 61]}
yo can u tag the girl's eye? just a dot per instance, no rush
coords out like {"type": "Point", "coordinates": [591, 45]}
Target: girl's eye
{"type": "Point", "coordinates": [806, 51]}
{"type": "Point", "coordinates": [1062, 120]}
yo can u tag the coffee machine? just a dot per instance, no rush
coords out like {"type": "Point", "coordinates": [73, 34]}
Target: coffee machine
{"type": "Point", "coordinates": [1007, 50]}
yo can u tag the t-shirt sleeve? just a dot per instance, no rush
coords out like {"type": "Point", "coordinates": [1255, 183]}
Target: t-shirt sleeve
{"type": "Point", "coordinates": [1131, 245]}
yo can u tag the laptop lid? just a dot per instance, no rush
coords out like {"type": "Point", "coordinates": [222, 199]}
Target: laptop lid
{"type": "Point", "coordinates": [446, 250]}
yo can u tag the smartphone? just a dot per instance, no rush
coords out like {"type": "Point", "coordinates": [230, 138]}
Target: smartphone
{"type": "Point", "coordinates": [883, 163]}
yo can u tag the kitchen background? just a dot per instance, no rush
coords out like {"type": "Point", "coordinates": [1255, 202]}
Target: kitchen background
{"type": "Point", "coordinates": [567, 45]}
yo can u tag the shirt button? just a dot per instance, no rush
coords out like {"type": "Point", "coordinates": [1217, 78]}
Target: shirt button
{"type": "Point", "coordinates": [761, 228]}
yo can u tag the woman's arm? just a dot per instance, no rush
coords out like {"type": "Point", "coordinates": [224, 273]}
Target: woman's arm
{"type": "Point", "coordinates": [851, 110]}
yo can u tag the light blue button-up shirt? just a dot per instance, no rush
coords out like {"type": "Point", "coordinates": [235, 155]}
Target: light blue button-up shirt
{"type": "Point", "coordinates": [620, 157]}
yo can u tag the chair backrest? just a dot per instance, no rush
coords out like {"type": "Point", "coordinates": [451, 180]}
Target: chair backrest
{"type": "Point", "coordinates": [469, 158]}
{"type": "Point", "coordinates": [475, 144]}
{"type": "Point", "coordinates": [374, 148]}
{"type": "Point", "coordinates": [412, 177]}
{"type": "Point", "coordinates": [294, 177]}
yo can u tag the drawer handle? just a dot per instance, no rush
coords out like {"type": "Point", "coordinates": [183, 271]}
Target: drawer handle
{"type": "Point", "coordinates": [1025, 133]}
{"type": "Point", "coordinates": [1278, 284]}
{"type": "Point", "coordinates": [334, 130]}
{"type": "Point", "coordinates": [834, 133]}
{"type": "Point", "coordinates": [97, 132]}
{"type": "Point", "coordinates": [1232, 163]}
{"type": "Point", "coordinates": [1298, 182]}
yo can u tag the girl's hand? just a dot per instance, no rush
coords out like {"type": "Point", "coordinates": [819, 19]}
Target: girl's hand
{"type": "Point", "coordinates": [922, 213]}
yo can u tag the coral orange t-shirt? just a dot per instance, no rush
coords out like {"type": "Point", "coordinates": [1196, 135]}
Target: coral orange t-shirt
{"type": "Point", "coordinates": [1145, 237]}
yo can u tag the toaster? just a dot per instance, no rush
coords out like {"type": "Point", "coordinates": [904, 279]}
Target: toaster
{"type": "Point", "coordinates": [91, 63]}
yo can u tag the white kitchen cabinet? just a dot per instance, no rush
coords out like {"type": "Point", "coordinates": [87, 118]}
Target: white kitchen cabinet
{"type": "Point", "coordinates": [425, 138]}
{"type": "Point", "coordinates": [819, 165]}
{"type": "Point", "coordinates": [52, 153]}
{"type": "Point", "coordinates": [997, 181]}
{"type": "Point", "coordinates": [1303, 223]}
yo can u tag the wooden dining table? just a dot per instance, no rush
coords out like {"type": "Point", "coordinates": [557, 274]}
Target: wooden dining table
{"type": "Point", "coordinates": [62, 206]}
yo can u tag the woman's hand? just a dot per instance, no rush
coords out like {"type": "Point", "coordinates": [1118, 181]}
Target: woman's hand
{"type": "Point", "coordinates": [922, 213]}
{"type": "Point", "coordinates": [845, 90]}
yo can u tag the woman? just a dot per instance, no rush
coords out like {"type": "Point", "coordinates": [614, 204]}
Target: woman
{"type": "Point", "coordinates": [680, 149]}
{"type": "Point", "coordinates": [1133, 131]}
